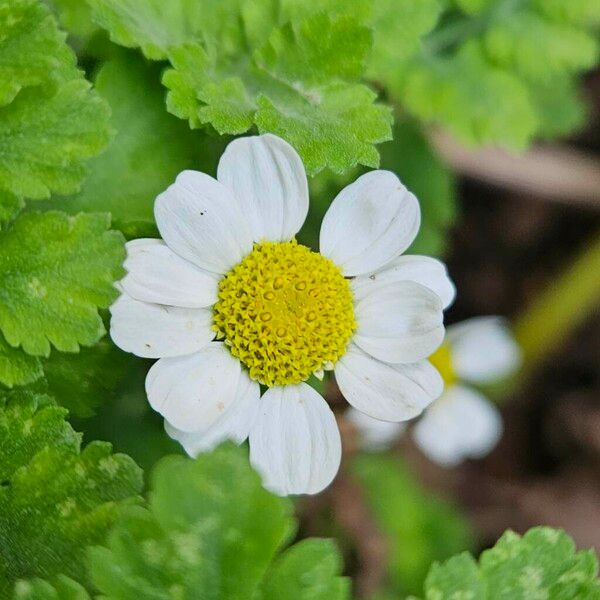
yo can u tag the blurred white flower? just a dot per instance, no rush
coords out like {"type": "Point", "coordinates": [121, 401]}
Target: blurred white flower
{"type": "Point", "coordinates": [462, 423]}
{"type": "Point", "coordinates": [229, 301]}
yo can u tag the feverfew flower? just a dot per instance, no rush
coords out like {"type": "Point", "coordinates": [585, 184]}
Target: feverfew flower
{"type": "Point", "coordinates": [228, 302]}
{"type": "Point", "coordinates": [462, 423]}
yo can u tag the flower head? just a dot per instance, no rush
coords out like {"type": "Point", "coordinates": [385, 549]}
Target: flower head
{"type": "Point", "coordinates": [228, 302]}
{"type": "Point", "coordinates": [462, 423]}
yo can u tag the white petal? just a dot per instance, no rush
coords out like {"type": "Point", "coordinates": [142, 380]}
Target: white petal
{"type": "Point", "coordinates": [295, 442]}
{"type": "Point", "coordinates": [155, 331]}
{"type": "Point", "coordinates": [374, 434]}
{"type": "Point", "coordinates": [268, 178]}
{"type": "Point", "coordinates": [461, 424]}
{"type": "Point", "coordinates": [384, 391]}
{"type": "Point", "coordinates": [156, 274]}
{"type": "Point", "coordinates": [425, 270]}
{"type": "Point", "coordinates": [401, 322]}
{"type": "Point", "coordinates": [234, 424]}
{"type": "Point", "coordinates": [192, 392]}
{"type": "Point", "coordinates": [483, 349]}
{"type": "Point", "coordinates": [200, 219]}
{"type": "Point", "coordinates": [370, 222]}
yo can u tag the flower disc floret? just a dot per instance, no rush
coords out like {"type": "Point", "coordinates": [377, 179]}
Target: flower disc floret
{"type": "Point", "coordinates": [286, 312]}
{"type": "Point", "coordinates": [441, 359]}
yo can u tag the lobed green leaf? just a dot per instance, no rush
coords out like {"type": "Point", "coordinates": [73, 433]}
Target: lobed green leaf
{"type": "Point", "coordinates": [201, 537]}
{"type": "Point", "coordinates": [16, 367]}
{"type": "Point", "coordinates": [541, 564]}
{"type": "Point", "coordinates": [55, 498]}
{"type": "Point", "coordinates": [148, 151]}
{"type": "Point", "coordinates": [46, 135]}
{"type": "Point", "coordinates": [33, 50]}
{"type": "Point", "coordinates": [61, 588]}
{"type": "Point", "coordinates": [55, 271]}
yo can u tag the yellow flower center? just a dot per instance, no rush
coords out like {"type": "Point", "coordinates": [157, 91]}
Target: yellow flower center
{"type": "Point", "coordinates": [286, 312]}
{"type": "Point", "coordinates": [441, 359]}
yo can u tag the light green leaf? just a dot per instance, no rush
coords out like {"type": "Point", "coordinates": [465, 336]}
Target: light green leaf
{"type": "Point", "coordinates": [55, 271]}
{"type": "Point", "coordinates": [481, 71]}
{"type": "Point", "coordinates": [399, 26]}
{"type": "Point", "coordinates": [45, 137]}
{"type": "Point", "coordinates": [314, 104]}
{"type": "Point", "coordinates": [478, 103]}
{"type": "Point", "coordinates": [211, 531]}
{"type": "Point", "coordinates": [578, 12]}
{"type": "Point", "coordinates": [150, 148]}
{"type": "Point", "coordinates": [10, 207]}
{"type": "Point", "coordinates": [16, 367]}
{"type": "Point", "coordinates": [300, 85]}
{"type": "Point", "coordinates": [307, 571]}
{"type": "Point", "coordinates": [559, 107]}
{"type": "Point", "coordinates": [152, 25]}
{"type": "Point", "coordinates": [33, 50]}
{"type": "Point", "coordinates": [75, 16]}
{"type": "Point", "coordinates": [156, 26]}
{"type": "Point", "coordinates": [240, 65]}
{"type": "Point", "coordinates": [457, 578]}
{"type": "Point", "coordinates": [419, 528]}
{"type": "Point", "coordinates": [537, 49]}
{"type": "Point", "coordinates": [55, 498]}
{"type": "Point", "coordinates": [542, 564]}
{"type": "Point", "coordinates": [62, 588]}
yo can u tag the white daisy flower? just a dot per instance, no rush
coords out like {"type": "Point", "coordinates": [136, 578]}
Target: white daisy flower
{"type": "Point", "coordinates": [463, 423]}
{"type": "Point", "coordinates": [228, 302]}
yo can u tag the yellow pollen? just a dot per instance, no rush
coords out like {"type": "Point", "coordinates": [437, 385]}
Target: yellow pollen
{"type": "Point", "coordinates": [441, 359]}
{"type": "Point", "coordinates": [286, 312]}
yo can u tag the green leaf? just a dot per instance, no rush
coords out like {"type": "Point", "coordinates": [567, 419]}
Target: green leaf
{"type": "Point", "coordinates": [399, 26]}
{"type": "Point", "coordinates": [559, 107]}
{"type": "Point", "coordinates": [477, 102]}
{"type": "Point", "coordinates": [211, 531]}
{"type": "Point", "coordinates": [45, 137]}
{"type": "Point", "coordinates": [419, 527]}
{"type": "Point", "coordinates": [313, 103]}
{"type": "Point", "coordinates": [62, 588]}
{"type": "Point", "coordinates": [300, 85]}
{"type": "Point", "coordinates": [75, 16]}
{"type": "Point", "coordinates": [537, 49]}
{"type": "Point", "coordinates": [10, 207]}
{"type": "Point", "coordinates": [55, 271]}
{"type": "Point", "coordinates": [420, 169]}
{"type": "Point", "coordinates": [33, 51]}
{"type": "Point", "coordinates": [307, 571]}
{"type": "Point", "coordinates": [150, 148]}
{"type": "Point", "coordinates": [578, 12]}
{"type": "Point", "coordinates": [16, 367]}
{"type": "Point", "coordinates": [457, 578]}
{"type": "Point", "coordinates": [55, 498]}
{"type": "Point", "coordinates": [152, 25]}
{"type": "Point", "coordinates": [541, 564]}
{"type": "Point", "coordinates": [485, 70]}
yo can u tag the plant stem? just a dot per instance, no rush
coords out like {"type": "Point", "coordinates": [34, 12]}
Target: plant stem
{"type": "Point", "coordinates": [564, 305]}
